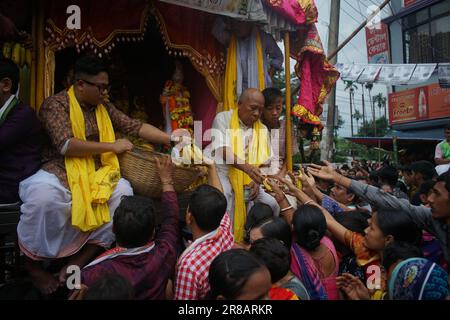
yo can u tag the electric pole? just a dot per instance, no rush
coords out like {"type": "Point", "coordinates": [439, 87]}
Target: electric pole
{"type": "Point", "coordinates": [333, 41]}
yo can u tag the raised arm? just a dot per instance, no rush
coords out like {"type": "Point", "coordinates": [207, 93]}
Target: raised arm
{"type": "Point", "coordinates": [419, 214]}
{"type": "Point", "coordinates": [334, 227]}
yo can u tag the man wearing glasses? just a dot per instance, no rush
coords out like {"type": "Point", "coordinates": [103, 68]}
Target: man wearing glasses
{"type": "Point", "coordinates": [80, 176]}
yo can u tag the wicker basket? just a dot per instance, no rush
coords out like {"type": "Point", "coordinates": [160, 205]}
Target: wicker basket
{"type": "Point", "coordinates": [139, 168]}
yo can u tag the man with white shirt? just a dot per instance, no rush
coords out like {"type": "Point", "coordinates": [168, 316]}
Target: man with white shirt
{"type": "Point", "coordinates": [442, 154]}
{"type": "Point", "coordinates": [255, 136]}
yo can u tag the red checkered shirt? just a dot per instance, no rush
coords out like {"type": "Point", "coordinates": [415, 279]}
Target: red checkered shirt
{"type": "Point", "coordinates": [193, 266]}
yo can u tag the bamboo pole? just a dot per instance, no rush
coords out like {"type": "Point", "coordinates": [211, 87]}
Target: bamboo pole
{"type": "Point", "coordinates": [287, 68]}
{"type": "Point", "coordinates": [33, 57]}
{"type": "Point", "coordinates": [40, 77]}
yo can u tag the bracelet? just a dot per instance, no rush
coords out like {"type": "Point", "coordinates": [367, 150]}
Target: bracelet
{"type": "Point", "coordinates": [308, 202]}
{"type": "Point", "coordinates": [286, 209]}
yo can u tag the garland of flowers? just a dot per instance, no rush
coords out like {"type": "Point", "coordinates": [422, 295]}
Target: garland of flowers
{"type": "Point", "coordinates": [177, 97]}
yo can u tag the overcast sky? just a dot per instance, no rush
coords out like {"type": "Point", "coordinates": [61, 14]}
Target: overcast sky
{"type": "Point", "coordinates": [352, 14]}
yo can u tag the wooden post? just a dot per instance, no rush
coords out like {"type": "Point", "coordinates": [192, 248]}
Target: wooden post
{"type": "Point", "coordinates": [40, 61]}
{"type": "Point", "coordinates": [33, 57]}
{"type": "Point", "coordinates": [395, 149]}
{"type": "Point", "coordinates": [287, 68]}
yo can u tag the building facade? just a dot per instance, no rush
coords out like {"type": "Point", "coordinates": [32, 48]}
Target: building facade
{"type": "Point", "coordinates": [419, 32]}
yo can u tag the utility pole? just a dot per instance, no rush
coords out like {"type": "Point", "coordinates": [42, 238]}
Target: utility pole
{"type": "Point", "coordinates": [354, 33]}
{"type": "Point", "coordinates": [333, 41]}
{"type": "Point", "coordinates": [364, 131]}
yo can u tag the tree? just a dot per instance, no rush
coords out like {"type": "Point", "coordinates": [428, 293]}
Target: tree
{"type": "Point", "coordinates": [351, 87]}
{"type": "Point", "coordinates": [369, 87]}
{"type": "Point", "coordinates": [358, 116]}
{"type": "Point", "coordinates": [369, 128]}
{"type": "Point", "coordinates": [380, 100]}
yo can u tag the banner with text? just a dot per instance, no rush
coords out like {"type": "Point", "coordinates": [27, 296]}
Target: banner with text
{"type": "Point", "coordinates": [423, 103]}
{"type": "Point", "coordinates": [377, 41]}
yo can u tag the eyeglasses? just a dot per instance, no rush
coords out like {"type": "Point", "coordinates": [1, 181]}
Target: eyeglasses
{"type": "Point", "coordinates": [100, 87]}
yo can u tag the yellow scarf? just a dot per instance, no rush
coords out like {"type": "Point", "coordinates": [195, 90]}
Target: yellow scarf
{"type": "Point", "coordinates": [230, 90]}
{"type": "Point", "coordinates": [258, 153]}
{"type": "Point", "coordinates": [91, 189]}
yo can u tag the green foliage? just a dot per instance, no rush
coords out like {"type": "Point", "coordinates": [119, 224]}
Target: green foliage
{"type": "Point", "coordinates": [368, 129]}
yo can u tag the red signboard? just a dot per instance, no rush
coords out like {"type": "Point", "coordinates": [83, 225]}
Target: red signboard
{"type": "Point", "coordinates": [423, 103]}
{"type": "Point", "coordinates": [377, 40]}
{"type": "Point", "coordinates": [408, 3]}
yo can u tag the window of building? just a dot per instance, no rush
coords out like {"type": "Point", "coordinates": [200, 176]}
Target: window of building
{"type": "Point", "coordinates": [426, 34]}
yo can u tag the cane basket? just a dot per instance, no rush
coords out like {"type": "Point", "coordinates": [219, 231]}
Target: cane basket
{"type": "Point", "coordinates": [139, 168]}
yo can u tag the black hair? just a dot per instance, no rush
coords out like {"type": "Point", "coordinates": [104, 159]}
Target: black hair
{"type": "Point", "coordinates": [8, 69]}
{"type": "Point", "coordinates": [447, 126]}
{"type": "Point", "coordinates": [426, 187]}
{"type": "Point", "coordinates": [90, 66]}
{"type": "Point", "coordinates": [345, 167]}
{"type": "Point", "coordinates": [271, 95]}
{"type": "Point", "coordinates": [258, 213]}
{"type": "Point", "coordinates": [399, 225]}
{"type": "Point", "coordinates": [388, 175]}
{"type": "Point", "coordinates": [230, 271]}
{"type": "Point", "coordinates": [275, 255]}
{"type": "Point", "coordinates": [355, 220]}
{"type": "Point", "coordinates": [134, 221]}
{"type": "Point", "coordinates": [277, 228]}
{"type": "Point", "coordinates": [208, 206]}
{"type": "Point", "coordinates": [445, 177]}
{"type": "Point", "coordinates": [310, 226]}
{"type": "Point", "coordinates": [401, 185]}
{"type": "Point", "coordinates": [399, 250]}
{"type": "Point", "coordinates": [424, 167]}
{"type": "Point", "coordinates": [110, 286]}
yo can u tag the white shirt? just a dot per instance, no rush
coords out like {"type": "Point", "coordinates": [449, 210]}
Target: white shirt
{"type": "Point", "coordinates": [3, 108]}
{"type": "Point", "coordinates": [220, 136]}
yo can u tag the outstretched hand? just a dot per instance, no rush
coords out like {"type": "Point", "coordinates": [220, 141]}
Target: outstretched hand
{"type": "Point", "coordinates": [352, 287]}
{"type": "Point", "coordinates": [165, 168]}
{"type": "Point", "coordinates": [326, 172]}
{"type": "Point", "coordinates": [290, 184]}
{"type": "Point", "coordinates": [307, 179]}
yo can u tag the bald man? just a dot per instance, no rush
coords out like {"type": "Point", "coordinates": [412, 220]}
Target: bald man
{"type": "Point", "coordinates": [250, 107]}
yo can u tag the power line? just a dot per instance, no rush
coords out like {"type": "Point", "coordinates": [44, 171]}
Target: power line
{"type": "Point", "coordinates": [355, 9]}
{"type": "Point", "coordinates": [351, 44]}
{"type": "Point", "coordinates": [351, 16]}
{"type": "Point", "coordinates": [334, 34]}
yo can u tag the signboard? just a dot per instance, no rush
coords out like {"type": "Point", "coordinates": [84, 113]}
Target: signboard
{"type": "Point", "coordinates": [444, 75]}
{"type": "Point", "coordinates": [231, 8]}
{"type": "Point", "coordinates": [377, 41]}
{"type": "Point", "coordinates": [409, 3]}
{"type": "Point", "coordinates": [422, 103]}
{"type": "Point", "coordinates": [439, 102]}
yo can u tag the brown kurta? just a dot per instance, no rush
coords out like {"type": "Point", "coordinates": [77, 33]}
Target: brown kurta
{"type": "Point", "coordinates": [55, 117]}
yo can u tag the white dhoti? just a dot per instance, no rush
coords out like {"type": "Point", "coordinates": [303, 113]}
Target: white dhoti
{"type": "Point", "coordinates": [262, 197]}
{"type": "Point", "coordinates": [45, 228]}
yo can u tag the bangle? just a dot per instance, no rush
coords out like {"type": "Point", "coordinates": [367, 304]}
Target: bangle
{"type": "Point", "coordinates": [308, 202]}
{"type": "Point", "coordinates": [286, 209]}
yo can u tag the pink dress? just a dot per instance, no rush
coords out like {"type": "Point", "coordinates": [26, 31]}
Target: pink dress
{"type": "Point", "coordinates": [329, 283]}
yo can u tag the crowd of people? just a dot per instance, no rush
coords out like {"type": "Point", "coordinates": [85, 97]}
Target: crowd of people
{"type": "Point", "coordinates": [256, 230]}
